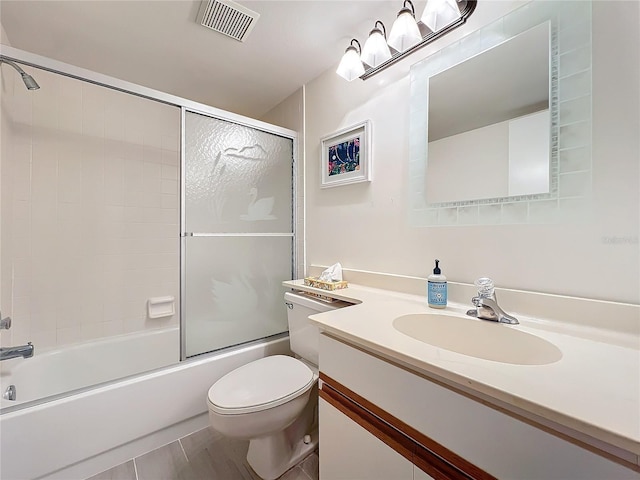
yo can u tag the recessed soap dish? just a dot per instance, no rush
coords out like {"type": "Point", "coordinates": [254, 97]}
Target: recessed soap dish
{"type": "Point", "coordinates": [159, 307]}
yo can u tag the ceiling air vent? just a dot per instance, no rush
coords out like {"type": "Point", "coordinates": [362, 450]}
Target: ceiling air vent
{"type": "Point", "coordinates": [227, 17]}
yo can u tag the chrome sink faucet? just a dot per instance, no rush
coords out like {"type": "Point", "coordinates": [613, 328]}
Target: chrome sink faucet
{"type": "Point", "coordinates": [486, 304]}
{"type": "Point", "coordinates": [24, 351]}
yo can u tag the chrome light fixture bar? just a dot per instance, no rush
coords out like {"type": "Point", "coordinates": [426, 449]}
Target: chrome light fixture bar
{"type": "Point", "coordinates": [465, 7]}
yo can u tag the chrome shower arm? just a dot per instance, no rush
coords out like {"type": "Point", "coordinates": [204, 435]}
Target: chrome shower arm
{"type": "Point", "coordinates": [14, 65]}
{"type": "Point", "coordinates": [28, 80]}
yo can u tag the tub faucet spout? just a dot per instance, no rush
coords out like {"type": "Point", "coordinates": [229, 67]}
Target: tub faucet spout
{"type": "Point", "coordinates": [24, 351]}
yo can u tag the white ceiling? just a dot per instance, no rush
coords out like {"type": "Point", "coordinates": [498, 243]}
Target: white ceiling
{"type": "Point", "coordinates": [158, 44]}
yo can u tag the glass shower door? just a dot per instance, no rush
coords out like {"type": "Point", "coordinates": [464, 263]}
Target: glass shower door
{"type": "Point", "coordinates": [237, 233]}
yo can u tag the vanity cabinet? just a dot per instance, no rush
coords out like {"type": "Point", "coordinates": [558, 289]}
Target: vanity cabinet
{"type": "Point", "coordinates": [350, 452]}
{"type": "Point", "coordinates": [379, 419]}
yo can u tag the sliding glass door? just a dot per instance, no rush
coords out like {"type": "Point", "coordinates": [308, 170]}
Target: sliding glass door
{"type": "Point", "coordinates": [237, 233]}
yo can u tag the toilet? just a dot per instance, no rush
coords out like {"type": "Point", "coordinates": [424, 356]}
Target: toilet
{"type": "Point", "coordinates": [273, 401]}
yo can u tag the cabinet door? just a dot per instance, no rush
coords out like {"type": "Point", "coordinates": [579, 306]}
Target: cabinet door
{"type": "Point", "coordinates": [349, 452]}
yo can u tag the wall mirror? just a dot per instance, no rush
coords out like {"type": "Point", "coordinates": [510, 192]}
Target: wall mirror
{"type": "Point", "coordinates": [501, 121]}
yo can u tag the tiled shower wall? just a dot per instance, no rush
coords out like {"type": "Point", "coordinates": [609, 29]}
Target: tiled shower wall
{"type": "Point", "coordinates": [89, 207]}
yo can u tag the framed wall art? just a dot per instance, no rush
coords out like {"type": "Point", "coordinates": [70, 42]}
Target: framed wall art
{"type": "Point", "coordinates": [346, 156]}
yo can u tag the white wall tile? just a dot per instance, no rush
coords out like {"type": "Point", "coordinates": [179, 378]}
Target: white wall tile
{"type": "Point", "coordinates": [21, 218]}
{"type": "Point", "coordinates": [468, 215]}
{"type": "Point", "coordinates": [151, 181]}
{"type": "Point", "coordinates": [93, 205]}
{"type": "Point", "coordinates": [514, 213]}
{"type": "Point", "coordinates": [70, 118]}
{"type": "Point", "coordinates": [575, 159]}
{"type": "Point", "coordinates": [68, 335]}
{"type": "Point", "coordinates": [169, 187]}
{"type": "Point", "coordinates": [91, 331]}
{"type": "Point", "coordinates": [171, 143]}
{"type": "Point", "coordinates": [151, 154]}
{"type": "Point", "coordinates": [42, 339]}
{"type": "Point", "coordinates": [169, 172]}
{"type": "Point", "coordinates": [490, 213]}
{"type": "Point", "coordinates": [44, 172]}
{"type": "Point", "coordinates": [45, 118]}
{"type": "Point", "coordinates": [21, 171]}
{"type": "Point", "coordinates": [170, 201]}
{"type": "Point", "coordinates": [170, 157]}
{"type": "Point", "coordinates": [70, 172]}
{"type": "Point", "coordinates": [152, 200]}
{"type": "Point", "coordinates": [575, 184]}
{"type": "Point", "coordinates": [152, 136]}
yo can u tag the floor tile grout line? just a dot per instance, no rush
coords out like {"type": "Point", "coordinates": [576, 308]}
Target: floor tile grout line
{"type": "Point", "coordinates": [135, 468]}
{"type": "Point", "coordinates": [305, 474]}
{"type": "Point", "coordinates": [183, 450]}
{"type": "Point", "coordinates": [304, 471]}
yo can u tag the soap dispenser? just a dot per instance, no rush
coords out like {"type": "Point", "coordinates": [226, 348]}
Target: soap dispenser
{"type": "Point", "coordinates": [437, 288]}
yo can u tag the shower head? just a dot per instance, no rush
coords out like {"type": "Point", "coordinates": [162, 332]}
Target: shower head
{"type": "Point", "coordinates": [28, 80]}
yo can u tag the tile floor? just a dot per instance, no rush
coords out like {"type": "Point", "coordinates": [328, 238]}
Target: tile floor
{"type": "Point", "coordinates": [203, 455]}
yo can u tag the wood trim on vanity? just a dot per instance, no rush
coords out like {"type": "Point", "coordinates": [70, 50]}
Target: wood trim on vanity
{"type": "Point", "coordinates": [431, 457]}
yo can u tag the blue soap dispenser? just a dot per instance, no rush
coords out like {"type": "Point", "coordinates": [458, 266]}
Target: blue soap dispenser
{"type": "Point", "coordinates": [437, 288]}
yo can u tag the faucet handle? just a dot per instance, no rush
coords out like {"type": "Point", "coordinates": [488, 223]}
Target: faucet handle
{"type": "Point", "coordinates": [486, 287]}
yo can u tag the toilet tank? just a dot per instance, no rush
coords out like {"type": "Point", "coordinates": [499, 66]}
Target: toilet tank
{"type": "Point", "coordinates": [303, 335]}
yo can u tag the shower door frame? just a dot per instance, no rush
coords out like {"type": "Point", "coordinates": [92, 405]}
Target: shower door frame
{"type": "Point", "coordinates": [282, 132]}
{"type": "Point", "coordinates": [78, 73]}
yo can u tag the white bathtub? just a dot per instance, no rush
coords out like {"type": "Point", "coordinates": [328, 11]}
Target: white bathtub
{"type": "Point", "coordinates": [78, 366]}
{"type": "Point", "coordinates": [77, 436]}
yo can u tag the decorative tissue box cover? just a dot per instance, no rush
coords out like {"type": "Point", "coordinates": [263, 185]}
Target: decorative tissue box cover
{"type": "Point", "coordinates": [316, 283]}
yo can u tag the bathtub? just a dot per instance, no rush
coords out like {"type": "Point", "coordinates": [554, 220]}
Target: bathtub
{"type": "Point", "coordinates": [74, 367]}
{"type": "Point", "coordinates": [79, 435]}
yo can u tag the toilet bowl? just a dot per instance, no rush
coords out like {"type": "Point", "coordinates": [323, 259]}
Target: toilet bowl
{"type": "Point", "coordinates": [263, 402]}
{"type": "Point", "coordinates": [272, 402]}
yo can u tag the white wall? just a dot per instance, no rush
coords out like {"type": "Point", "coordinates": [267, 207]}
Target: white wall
{"type": "Point", "coordinates": [365, 225]}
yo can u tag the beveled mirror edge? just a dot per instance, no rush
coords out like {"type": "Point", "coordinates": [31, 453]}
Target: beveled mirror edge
{"type": "Point", "coordinates": [570, 186]}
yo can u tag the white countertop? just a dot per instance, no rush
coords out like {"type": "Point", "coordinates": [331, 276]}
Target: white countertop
{"type": "Point", "coordinates": [592, 392]}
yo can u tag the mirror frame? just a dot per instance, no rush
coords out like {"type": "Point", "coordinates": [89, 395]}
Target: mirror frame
{"type": "Point", "coordinates": [570, 112]}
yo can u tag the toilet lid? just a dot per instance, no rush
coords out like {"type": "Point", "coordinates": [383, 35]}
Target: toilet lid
{"type": "Point", "coordinates": [262, 384]}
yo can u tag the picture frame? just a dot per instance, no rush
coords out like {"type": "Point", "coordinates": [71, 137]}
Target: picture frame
{"type": "Point", "coordinates": [346, 156]}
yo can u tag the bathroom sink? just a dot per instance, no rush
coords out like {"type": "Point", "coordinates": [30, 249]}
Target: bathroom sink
{"type": "Point", "coordinates": [478, 338]}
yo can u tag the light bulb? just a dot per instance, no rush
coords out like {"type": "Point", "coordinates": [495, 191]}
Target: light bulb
{"type": "Point", "coordinates": [440, 13]}
{"type": "Point", "coordinates": [350, 66]}
{"type": "Point", "coordinates": [376, 50]}
{"type": "Point", "coordinates": [405, 32]}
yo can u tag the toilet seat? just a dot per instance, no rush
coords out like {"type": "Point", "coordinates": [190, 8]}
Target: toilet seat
{"type": "Point", "coordinates": [260, 385]}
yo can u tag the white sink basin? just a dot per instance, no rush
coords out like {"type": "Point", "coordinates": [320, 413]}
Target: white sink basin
{"type": "Point", "coordinates": [478, 338]}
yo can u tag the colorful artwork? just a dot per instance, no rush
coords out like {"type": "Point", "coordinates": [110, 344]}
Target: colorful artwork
{"type": "Point", "coordinates": [344, 157]}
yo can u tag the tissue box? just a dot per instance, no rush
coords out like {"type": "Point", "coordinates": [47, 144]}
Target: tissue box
{"type": "Point", "coordinates": [323, 285]}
